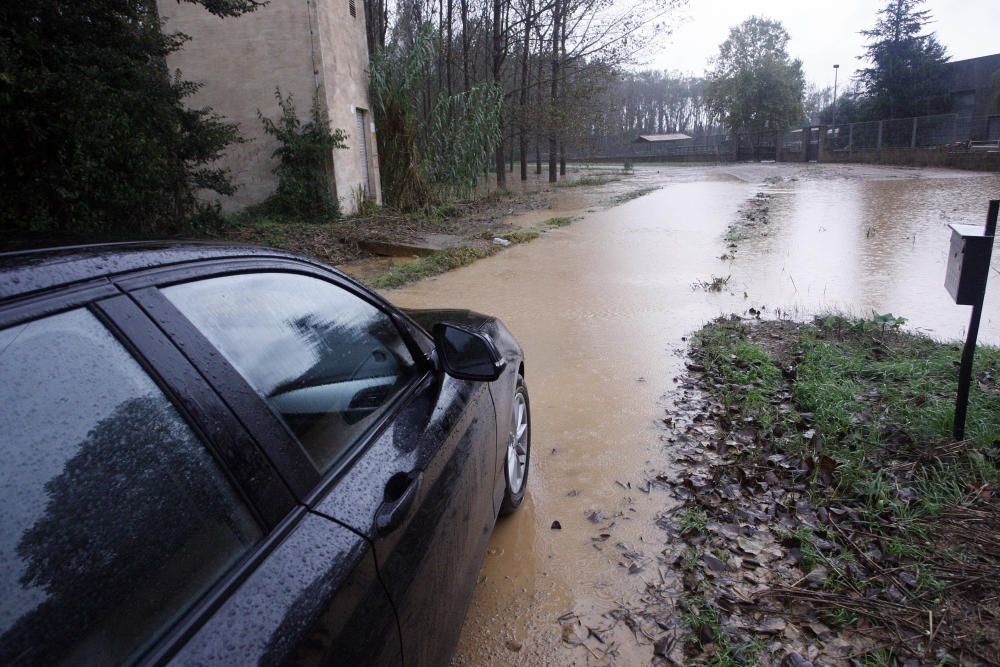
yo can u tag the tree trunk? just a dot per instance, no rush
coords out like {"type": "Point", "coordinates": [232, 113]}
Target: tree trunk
{"type": "Point", "coordinates": [447, 47]}
{"type": "Point", "coordinates": [498, 56]}
{"type": "Point", "coordinates": [554, 92]}
{"type": "Point", "coordinates": [464, 9]}
{"type": "Point", "coordinates": [539, 106]}
{"type": "Point", "coordinates": [522, 129]}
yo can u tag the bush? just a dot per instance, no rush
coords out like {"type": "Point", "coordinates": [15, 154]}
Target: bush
{"type": "Point", "coordinates": [96, 138]}
{"type": "Point", "coordinates": [304, 163]}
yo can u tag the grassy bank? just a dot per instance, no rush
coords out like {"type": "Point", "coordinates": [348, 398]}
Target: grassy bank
{"type": "Point", "coordinates": [444, 260]}
{"type": "Point", "coordinates": [883, 528]}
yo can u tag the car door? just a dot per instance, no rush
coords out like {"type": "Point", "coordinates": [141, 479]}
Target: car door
{"type": "Point", "coordinates": [308, 592]}
{"type": "Point", "coordinates": [401, 453]}
{"type": "Point", "coordinates": [129, 531]}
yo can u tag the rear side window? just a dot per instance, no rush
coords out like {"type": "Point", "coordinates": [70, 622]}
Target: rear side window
{"type": "Point", "coordinates": [326, 361]}
{"type": "Point", "coordinates": [114, 517]}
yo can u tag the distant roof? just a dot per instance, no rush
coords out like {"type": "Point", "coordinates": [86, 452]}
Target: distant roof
{"type": "Point", "coordinates": [677, 136]}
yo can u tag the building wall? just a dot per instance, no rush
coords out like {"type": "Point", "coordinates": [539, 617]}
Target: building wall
{"type": "Point", "coordinates": [297, 45]}
{"type": "Point", "coordinates": [343, 49]}
{"type": "Point", "coordinates": [970, 83]}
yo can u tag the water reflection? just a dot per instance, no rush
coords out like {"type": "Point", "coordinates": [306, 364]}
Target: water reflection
{"type": "Point", "coordinates": [324, 359]}
{"type": "Point", "coordinates": [114, 516]}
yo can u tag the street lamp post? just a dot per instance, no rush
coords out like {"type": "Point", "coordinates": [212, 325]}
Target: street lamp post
{"type": "Point", "coordinates": [836, 69]}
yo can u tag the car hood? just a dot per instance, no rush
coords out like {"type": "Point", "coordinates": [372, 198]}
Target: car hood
{"type": "Point", "coordinates": [467, 318]}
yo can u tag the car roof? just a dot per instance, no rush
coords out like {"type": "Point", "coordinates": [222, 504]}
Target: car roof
{"type": "Point", "coordinates": [26, 272]}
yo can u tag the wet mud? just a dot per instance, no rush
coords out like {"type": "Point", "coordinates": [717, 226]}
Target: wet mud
{"type": "Point", "coordinates": [603, 307]}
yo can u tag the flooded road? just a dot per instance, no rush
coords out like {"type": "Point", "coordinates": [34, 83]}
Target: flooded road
{"type": "Point", "coordinates": [602, 308]}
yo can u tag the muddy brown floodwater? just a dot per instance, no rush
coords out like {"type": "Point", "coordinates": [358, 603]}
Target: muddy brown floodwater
{"type": "Point", "coordinates": [602, 307]}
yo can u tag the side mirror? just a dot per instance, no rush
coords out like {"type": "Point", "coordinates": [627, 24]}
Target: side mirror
{"type": "Point", "coordinates": [467, 354]}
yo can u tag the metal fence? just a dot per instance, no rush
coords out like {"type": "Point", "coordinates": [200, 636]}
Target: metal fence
{"type": "Point", "coordinates": [958, 132]}
{"type": "Point", "coordinates": [920, 132]}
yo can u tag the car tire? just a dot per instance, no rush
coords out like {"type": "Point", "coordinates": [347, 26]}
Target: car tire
{"type": "Point", "coordinates": [518, 452]}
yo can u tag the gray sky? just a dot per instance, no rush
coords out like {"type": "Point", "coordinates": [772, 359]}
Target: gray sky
{"type": "Point", "coordinates": [822, 33]}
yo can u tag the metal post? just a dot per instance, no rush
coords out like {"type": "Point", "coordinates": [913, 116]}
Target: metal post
{"type": "Point", "coordinates": [913, 137]}
{"type": "Point", "coordinates": [969, 351]}
{"type": "Point", "coordinates": [878, 143]}
{"type": "Point", "coordinates": [836, 70]}
{"type": "Point", "coordinates": [850, 140]}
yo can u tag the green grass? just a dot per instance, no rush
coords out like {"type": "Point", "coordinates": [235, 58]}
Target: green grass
{"type": "Point", "coordinates": [443, 261]}
{"type": "Point", "coordinates": [702, 618]}
{"type": "Point", "coordinates": [592, 180]}
{"type": "Point", "coordinates": [425, 267]}
{"type": "Point", "coordinates": [693, 521]}
{"type": "Point", "coordinates": [749, 379]}
{"type": "Point", "coordinates": [520, 236]}
{"type": "Point", "coordinates": [875, 395]}
{"type": "Point", "coordinates": [558, 222]}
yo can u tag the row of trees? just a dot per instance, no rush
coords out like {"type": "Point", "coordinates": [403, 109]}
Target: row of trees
{"type": "Point", "coordinates": [755, 84]}
{"type": "Point", "coordinates": [548, 60]}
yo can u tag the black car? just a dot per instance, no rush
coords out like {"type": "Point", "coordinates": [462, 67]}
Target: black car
{"type": "Point", "coordinates": [233, 455]}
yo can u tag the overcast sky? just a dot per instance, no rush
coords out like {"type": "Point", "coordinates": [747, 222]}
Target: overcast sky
{"type": "Point", "coordinates": [822, 33]}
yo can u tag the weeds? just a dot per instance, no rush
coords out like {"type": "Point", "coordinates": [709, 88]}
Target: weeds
{"type": "Point", "coordinates": [693, 521]}
{"type": "Point", "coordinates": [558, 222]}
{"type": "Point", "coordinates": [594, 180]}
{"type": "Point", "coordinates": [425, 267]}
{"type": "Point", "coordinates": [443, 261]}
{"type": "Point", "coordinates": [634, 194]}
{"type": "Point", "coordinates": [520, 236]}
{"type": "Point", "coordinates": [703, 619]}
{"type": "Point", "coordinates": [716, 284]}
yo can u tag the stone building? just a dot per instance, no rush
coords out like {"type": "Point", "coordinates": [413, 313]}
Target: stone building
{"type": "Point", "coordinates": [301, 46]}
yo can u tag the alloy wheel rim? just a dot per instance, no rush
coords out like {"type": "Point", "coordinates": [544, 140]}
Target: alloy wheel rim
{"type": "Point", "coordinates": [517, 444]}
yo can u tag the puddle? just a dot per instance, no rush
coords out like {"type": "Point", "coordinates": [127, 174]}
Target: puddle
{"type": "Point", "coordinates": [601, 307]}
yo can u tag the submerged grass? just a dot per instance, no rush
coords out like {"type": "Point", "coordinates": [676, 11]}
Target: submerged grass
{"type": "Point", "coordinates": [558, 222]}
{"type": "Point", "coordinates": [634, 194]}
{"type": "Point", "coordinates": [443, 261]}
{"type": "Point", "coordinates": [591, 180]}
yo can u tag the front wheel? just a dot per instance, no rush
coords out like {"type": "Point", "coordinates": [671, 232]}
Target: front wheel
{"type": "Point", "coordinates": [518, 450]}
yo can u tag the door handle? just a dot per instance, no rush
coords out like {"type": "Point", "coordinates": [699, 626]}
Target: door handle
{"type": "Point", "coordinates": [400, 492]}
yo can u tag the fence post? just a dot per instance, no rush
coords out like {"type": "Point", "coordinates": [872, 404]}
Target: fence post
{"type": "Point", "coordinates": [779, 145]}
{"type": "Point", "coordinates": [878, 143]}
{"type": "Point", "coordinates": [850, 140]}
{"type": "Point", "coordinates": [821, 144]}
{"type": "Point", "coordinates": [913, 136]}
{"type": "Point", "coordinates": [954, 130]}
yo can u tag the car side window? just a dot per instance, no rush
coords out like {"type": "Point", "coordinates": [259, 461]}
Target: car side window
{"type": "Point", "coordinates": [325, 360]}
{"type": "Point", "coordinates": [114, 517]}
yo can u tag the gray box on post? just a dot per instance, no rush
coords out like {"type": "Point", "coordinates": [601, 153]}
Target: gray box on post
{"type": "Point", "coordinates": [968, 263]}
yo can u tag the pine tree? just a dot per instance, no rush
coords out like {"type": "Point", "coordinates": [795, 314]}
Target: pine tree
{"type": "Point", "coordinates": [907, 75]}
{"type": "Point", "coordinates": [94, 134]}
